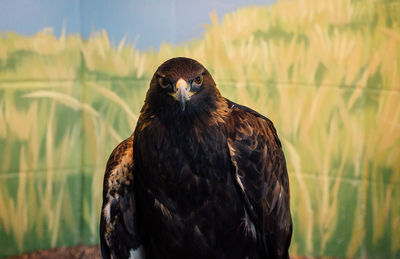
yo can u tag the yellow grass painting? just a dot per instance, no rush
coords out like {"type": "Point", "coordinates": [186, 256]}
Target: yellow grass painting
{"type": "Point", "coordinates": [327, 73]}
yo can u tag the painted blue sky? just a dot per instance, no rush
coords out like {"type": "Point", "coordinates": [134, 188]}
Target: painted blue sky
{"type": "Point", "coordinates": [149, 22]}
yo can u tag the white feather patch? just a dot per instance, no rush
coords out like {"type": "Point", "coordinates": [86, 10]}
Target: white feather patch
{"type": "Point", "coordinates": [137, 253]}
{"type": "Point", "coordinates": [107, 209]}
{"type": "Point", "coordinates": [106, 212]}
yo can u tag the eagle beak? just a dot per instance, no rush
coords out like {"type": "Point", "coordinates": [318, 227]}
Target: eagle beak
{"type": "Point", "coordinates": [182, 93]}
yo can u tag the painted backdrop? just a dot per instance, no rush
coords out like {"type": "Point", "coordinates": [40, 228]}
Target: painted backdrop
{"type": "Point", "coordinates": [73, 76]}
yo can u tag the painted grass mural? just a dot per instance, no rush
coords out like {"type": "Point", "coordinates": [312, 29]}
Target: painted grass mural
{"type": "Point", "coordinates": [326, 72]}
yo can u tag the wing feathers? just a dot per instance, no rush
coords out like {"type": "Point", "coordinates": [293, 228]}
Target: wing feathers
{"type": "Point", "coordinates": [260, 170]}
{"type": "Point", "coordinates": [117, 226]}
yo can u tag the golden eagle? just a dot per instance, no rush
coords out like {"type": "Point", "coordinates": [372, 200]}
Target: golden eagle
{"type": "Point", "coordinates": [201, 176]}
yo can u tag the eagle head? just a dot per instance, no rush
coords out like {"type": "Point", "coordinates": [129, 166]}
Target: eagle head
{"type": "Point", "coordinates": [182, 86]}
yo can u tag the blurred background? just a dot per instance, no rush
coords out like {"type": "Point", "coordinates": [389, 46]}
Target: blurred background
{"type": "Point", "coordinates": [73, 77]}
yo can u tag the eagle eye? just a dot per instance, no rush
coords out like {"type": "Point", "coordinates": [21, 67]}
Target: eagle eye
{"type": "Point", "coordinates": [198, 81]}
{"type": "Point", "coordinates": [164, 83]}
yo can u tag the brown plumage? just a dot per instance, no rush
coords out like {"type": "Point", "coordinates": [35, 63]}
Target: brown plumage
{"type": "Point", "coordinates": [201, 177]}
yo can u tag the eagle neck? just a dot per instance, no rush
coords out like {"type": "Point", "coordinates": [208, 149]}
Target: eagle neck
{"type": "Point", "coordinates": [208, 115]}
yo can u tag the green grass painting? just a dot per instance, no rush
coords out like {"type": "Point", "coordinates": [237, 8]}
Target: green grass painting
{"type": "Point", "coordinates": [326, 72]}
